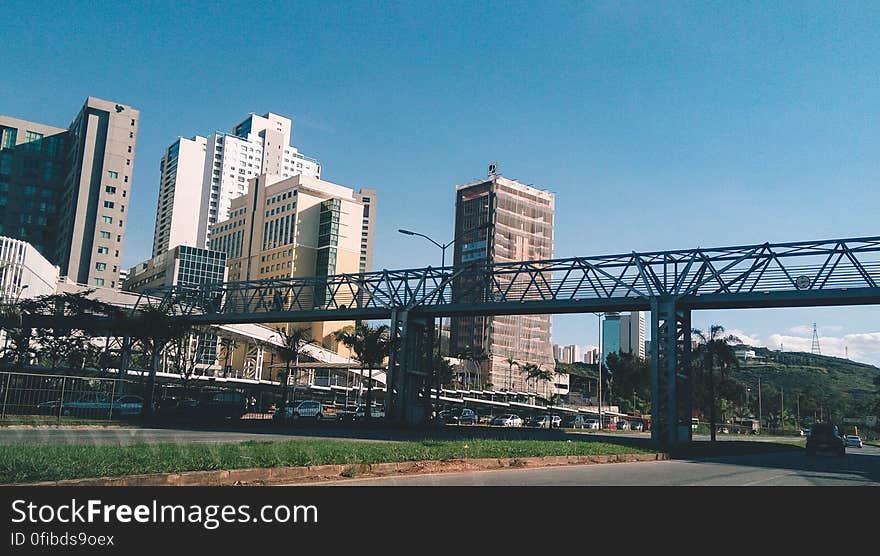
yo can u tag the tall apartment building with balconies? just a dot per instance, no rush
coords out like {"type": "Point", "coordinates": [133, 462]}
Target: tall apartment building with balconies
{"type": "Point", "coordinates": [66, 190]}
{"type": "Point", "coordinates": [201, 176]}
{"type": "Point", "coordinates": [502, 220]}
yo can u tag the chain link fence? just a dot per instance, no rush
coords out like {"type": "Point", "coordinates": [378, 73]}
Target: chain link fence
{"type": "Point", "coordinates": [56, 397]}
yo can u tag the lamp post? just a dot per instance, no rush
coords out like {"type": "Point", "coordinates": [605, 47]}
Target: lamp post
{"type": "Point", "coordinates": [601, 357]}
{"type": "Point", "coordinates": [443, 247]}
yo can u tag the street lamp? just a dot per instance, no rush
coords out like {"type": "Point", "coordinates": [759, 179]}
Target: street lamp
{"type": "Point", "coordinates": [443, 247]}
{"type": "Point", "coordinates": [601, 357]}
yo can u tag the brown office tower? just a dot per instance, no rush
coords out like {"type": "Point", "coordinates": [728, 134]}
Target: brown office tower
{"type": "Point", "coordinates": [501, 220]}
{"type": "Point", "coordinates": [66, 190]}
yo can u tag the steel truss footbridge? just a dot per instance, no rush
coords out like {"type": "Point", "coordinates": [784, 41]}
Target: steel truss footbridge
{"type": "Point", "coordinates": [669, 284]}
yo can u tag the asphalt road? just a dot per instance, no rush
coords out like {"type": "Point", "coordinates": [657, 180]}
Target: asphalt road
{"type": "Point", "coordinates": [860, 467]}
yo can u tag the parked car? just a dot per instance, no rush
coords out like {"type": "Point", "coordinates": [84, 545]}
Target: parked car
{"type": "Point", "coordinates": [583, 422]}
{"type": "Point", "coordinates": [459, 416]}
{"type": "Point", "coordinates": [637, 426]}
{"type": "Point", "coordinates": [622, 426]}
{"type": "Point", "coordinates": [306, 409]}
{"type": "Point", "coordinates": [507, 420]}
{"type": "Point", "coordinates": [825, 437]}
{"type": "Point", "coordinates": [209, 405]}
{"type": "Point", "coordinates": [376, 412]}
{"type": "Point", "coordinates": [95, 404]}
{"type": "Point", "coordinates": [853, 440]}
{"type": "Point", "coordinates": [545, 421]}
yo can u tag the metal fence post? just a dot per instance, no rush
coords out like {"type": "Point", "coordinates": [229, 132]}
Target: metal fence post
{"type": "Point", "coordinates": [61, 405]}
{"type": "Point", "coordinates": [112, 397]}
{"type": "Point", "coordinates": [5, 394]}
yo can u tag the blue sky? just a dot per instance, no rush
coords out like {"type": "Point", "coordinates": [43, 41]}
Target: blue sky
{"type": "Point", "coordinates": [657, 126]}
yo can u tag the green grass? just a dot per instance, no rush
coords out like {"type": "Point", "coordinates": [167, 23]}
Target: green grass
{"type": "Point", "coordinates": [21, 463]}
{"type": "Point", "coordinates": [50, 420]}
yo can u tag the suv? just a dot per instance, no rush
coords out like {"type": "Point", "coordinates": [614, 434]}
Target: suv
{"type": "Point", "coordinates": [825, 437]}
{"type": "Point", "coordinates": [210, 405]}
{"type": "Point", "coordinates": [459, 416]}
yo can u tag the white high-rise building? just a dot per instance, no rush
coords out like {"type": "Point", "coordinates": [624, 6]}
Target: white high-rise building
{"type": "Point", "coordinates": [632, 333]}
{"type": "Point", "coordinates": [201, 176]}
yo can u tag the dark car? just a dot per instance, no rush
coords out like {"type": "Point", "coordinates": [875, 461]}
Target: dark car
{"type": "Point", "coordinates": [825, 437]}
{"type": "Point", "coordinates": [459, 416]}
{"type": "Point", "coordinates": [210, 405]}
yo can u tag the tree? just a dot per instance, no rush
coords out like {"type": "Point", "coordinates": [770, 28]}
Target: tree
{"type": "Point", "coordinates": [186, 357]}
{"type": "Point", "coordinates": [714, 353]}
{"type": "Point", "coordinates": [293, 345]}
{"type": "Point", "coordinates": [536, 373]}
{"type": "Point", "coordinates": [371, 345]}
{"type": "Point", "coordinates": [631, 375]}
{"type": "Point", "coordinates": [471, 358]}
{"type": "Point", "coordinates": [154, 327]}
{"type": "Point", "coordinates": [443, 368]}
{"type": "Point", "coordinates": [511, 363]}
{"type": "Point", "coordinates": [228, 345]}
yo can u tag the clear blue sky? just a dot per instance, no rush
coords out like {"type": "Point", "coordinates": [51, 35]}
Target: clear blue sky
{"type": "Point", "coordinates": [657, 126]}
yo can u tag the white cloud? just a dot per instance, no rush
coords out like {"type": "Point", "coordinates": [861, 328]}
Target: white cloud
{"type": "Point", "coordinates": [745, 337]}
{"type": "Point", "coordinates": [862, 347]}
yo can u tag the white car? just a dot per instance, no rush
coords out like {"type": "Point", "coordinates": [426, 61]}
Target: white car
{"type": "Point", "coordinates": [853, 440]}
{"type": "Point", "coordinates": [308, 409]}
{"type": "Point", "coordinates": [507, 420]}
{"type": "Point", "coordinates": [581, 422]}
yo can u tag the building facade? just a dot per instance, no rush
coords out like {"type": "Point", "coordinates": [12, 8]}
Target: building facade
{"type": "Point", "coordinates": [66, 190]}
{"type": "Point", "coordinates": [501, 220]}
{"type": "Point", "coordinates": [201, 176]}
{"type": "Point", "coordinates": [24, 272]}
{"type": "Point", "coordinates": [183, 265]}
{"type": "Point", "coordinates": [623, 334]}
{"type": "Point", "coordinates": [297, 227]}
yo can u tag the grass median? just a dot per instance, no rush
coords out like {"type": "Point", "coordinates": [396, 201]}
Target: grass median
{"type": "Point", "coordinates": [33, 463]}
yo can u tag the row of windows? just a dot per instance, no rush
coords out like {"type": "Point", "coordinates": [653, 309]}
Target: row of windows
{"type": "Point", "coordinates": [277, 198]}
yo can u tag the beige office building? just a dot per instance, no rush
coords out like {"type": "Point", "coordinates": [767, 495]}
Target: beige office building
{"type": "Point", "coordinates": [520, 220]}
{"type": "Point", "coordinates": [66, 190]}
{"type": "Point", "coordinates": [297, 227]}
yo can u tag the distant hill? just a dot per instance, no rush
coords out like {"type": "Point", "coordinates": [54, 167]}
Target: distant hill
{"type": "Point", "coordinates": [842, 385]}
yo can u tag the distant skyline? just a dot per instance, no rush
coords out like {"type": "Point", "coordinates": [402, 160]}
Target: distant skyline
{"type": "Point", "coordinates": [657, 126]}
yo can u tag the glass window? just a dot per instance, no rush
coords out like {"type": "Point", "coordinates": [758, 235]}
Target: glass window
{"type": "Point", "coordinates": [103, 250]}
{"type": "Point", "coordinates": [99, 281]}
{"type": "Point", "coordinates": [105, 235]}
{"type": "Point", "coordinates": [110, 189]}
{"type": "Point", "coordinates": [112, 174]}
{"type": "Point", "coordinates": [107, 219]}
{"type": "Point", "coordinates": [100, 266]}
{"type": "Point", "coordinates": [108, 204]}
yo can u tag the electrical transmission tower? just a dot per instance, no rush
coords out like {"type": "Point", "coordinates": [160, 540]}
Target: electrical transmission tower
{"type": "Point", "coordinates": [815, 350]}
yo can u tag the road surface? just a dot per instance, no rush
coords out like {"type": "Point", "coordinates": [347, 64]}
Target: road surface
{"type": "Point", "coordinates": [860, 467]}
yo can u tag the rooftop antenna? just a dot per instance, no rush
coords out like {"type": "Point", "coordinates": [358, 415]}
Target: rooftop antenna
{"type": "Point", "coordinates": [815, 350]}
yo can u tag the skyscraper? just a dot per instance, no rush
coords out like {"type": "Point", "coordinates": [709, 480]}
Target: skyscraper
{"type": "Point", "coordinates": [66, 190]}
{"type": "Point", "coordinates": [624, 334]}
{"type": "Point", "coordinates": [201, 176]}
{"type": "Point", "coordinates": [501, 220]}
{"type": "Point", "coordinates": [296, 227]}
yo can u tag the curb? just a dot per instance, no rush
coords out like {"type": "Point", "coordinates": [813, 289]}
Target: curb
{"type": "Point", "coordinates": [276, 475]}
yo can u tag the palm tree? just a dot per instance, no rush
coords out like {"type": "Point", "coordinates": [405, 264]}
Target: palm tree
{"type": "Point", "coordinates": [371, 345]}
{"type": "Point", "coordinates": [293, 344]}
{"type": "Point", "coordinates": [510, 363]}
{"type": "Point", "coordinates": [713, 352]}
{"type": "Point", "coordinates": [228, 345]}
{"type": "Point", "coordinates": [471, 357]}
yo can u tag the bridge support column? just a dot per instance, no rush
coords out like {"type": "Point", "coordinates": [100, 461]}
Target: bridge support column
{"type": "Point", "coordinates": [409, 369]}
{"type": "Point", "coordinates": [670, 372]}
